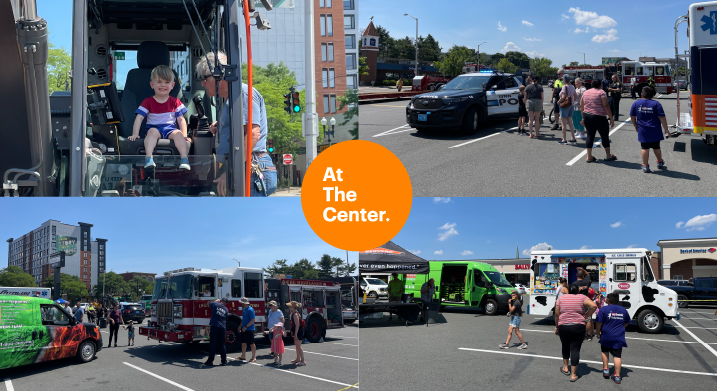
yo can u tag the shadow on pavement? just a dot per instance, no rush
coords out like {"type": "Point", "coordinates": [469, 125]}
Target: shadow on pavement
{"type": "Point", "coordinates": [459, 135]}
{"type": "Point", "coordinates": [703, 153]}
{"type": "Point", "coordinates": [666, 173]}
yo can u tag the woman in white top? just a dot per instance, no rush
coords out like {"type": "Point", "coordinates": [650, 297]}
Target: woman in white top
{"type": "Point", "coordinates": [577, 114]}
{"type": "Point", "coordinates": [568, 92]}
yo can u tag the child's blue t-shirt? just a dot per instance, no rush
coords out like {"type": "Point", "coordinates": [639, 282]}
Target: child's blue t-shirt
{"type": "Point", "coordinates": [613, 318]}
{"type": "Point", "coordinates": [648, 113]}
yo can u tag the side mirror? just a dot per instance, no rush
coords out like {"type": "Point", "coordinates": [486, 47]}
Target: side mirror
{"type": "Point", "coordinates": [494, 87]}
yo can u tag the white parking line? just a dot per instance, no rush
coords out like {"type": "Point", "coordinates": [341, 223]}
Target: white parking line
{"type": "Point", "coordinates": [695, 337]}
{"type": "Point", "coordinates": [341, 336]}
{"type": "Point", "coordinates": [8, 385]}
{"type": "Point", "coordinates": [639, 339]}
{"type": "Point", "coordinates": [483, 138]}
{"type": "Point", "coordinates": [347, 344]}
{"type": "Point", "coordinates": [695, 312]}
{"type": "Point", "coordinates": [683, 317]}
{"type": "Point", "coordinates": [329, 355]}
{"type": "Point", "coordinates": [386, 133]}
{"type": "Point", "coordinates": [592, 362]}
{"type": "Point", "coordinates": [301, 374]}
{"type": "Point", "coordinates": [595, 145]}
{"type": "Point", "coordinates": [158, 377]}
{"type": "Point", "coordinates": [701, 328]}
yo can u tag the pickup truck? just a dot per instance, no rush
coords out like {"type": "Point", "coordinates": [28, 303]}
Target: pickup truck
{"type": "Point", "coordinates": [703, 288]}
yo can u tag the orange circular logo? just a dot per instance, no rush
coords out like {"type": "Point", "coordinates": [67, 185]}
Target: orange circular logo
{"type": "Point", "coordinates": [356, 195]}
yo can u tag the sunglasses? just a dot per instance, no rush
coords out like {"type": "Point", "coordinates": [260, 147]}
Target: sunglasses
{"type": "Point", "coordinates": [205, 77]}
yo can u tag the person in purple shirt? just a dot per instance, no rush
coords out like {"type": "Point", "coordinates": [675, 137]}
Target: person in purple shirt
{"type": "Point", "coordinates": [647, 115]}
{"type": "Point", "coordinates": [611, 322]}
{"type": "Point", "coordinates": [114, 319]}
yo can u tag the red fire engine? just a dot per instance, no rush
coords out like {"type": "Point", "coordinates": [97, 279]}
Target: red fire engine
{"type": "Point", "coordinates": [180, 309]}
{"type": "Point", "coordinates": [660, 72]}
{"type": "Point", "coordinates": [320, 301]}
{"type": "Point", "coordinates": [428, 82]}
{"type": "Point", "coordinates": [587, 73]}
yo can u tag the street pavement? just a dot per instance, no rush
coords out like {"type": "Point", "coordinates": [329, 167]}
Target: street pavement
{"type": "Point", "coordinates": [331, 365]}
{"type": "Point", "coordinates": [496, 162]}
{"type": "Point", "coordinates": [461, 352]}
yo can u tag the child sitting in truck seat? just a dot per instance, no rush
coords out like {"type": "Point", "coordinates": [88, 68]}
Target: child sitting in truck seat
{"type": "Point", "coordinates": [277, 343]}
{"type": "Point", "coordinates": [163, 113]}
{"type": "Point", "coordinates": [130, 333]}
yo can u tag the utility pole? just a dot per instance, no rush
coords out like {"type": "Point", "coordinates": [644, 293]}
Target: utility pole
{"type": "Point", "coordinates": [478, 56]}
{"type": "Point", "coordinates": [310, 118]}
{"type": "Point", "coordinates": [416, 71]}
{"type": "Point", "coordinates": [583, 57]}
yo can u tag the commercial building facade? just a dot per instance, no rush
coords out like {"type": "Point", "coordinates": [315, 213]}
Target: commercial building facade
{"type": "Point", "coordinates": [84, 257]}
{"type": "Point", "coordinates": [686, 258]}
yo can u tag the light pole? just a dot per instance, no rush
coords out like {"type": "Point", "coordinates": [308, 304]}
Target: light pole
{"type": "Point", "coordinates": [330, 133]}
{"type": "Point", "coordinates": [416, 71]}
{"type": "Point", "coordinates": [583, 57]}
{"type": "Point", "coordinates": [478, 56]}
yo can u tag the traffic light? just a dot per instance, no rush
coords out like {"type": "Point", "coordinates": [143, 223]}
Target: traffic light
{"type": "Point", "coordinates": [295, 102]}
{"type": "Point", "coordinates": [270, 148]}
{"type": "Point", "coordinates": [287, 101]}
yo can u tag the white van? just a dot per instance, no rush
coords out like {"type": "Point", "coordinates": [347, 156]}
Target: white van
{"type": "Point", "coordinates": [374, 287]}
{"type": "Point", "coordinates": [626, 272]}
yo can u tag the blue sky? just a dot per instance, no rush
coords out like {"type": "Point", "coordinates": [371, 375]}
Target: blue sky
{"type": "Point", "coordinates": [491, 228]}
{"type": "Point", "coordinates": [159, 234]}
{"type": "Point", "coordinates": [536, 28]}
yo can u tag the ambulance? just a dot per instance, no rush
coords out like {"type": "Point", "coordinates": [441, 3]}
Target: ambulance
{"type": "Point", "coordinates": [626, 272]}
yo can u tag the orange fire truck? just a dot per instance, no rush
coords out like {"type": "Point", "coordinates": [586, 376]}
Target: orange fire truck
{"type": "Point", "coordinates": [320, 301]}
{"type": "Point", "coordinates": [660, 72]}
{"type": "Point", "coordinates": [180, 309]}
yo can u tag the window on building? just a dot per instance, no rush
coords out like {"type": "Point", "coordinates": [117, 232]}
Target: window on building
{"type": "Point", "coordinates": [330, 25]}
{"type": "Point", "coordinates": [333, 103]}
{"type": "Point", "coordinates": [324, 77]}
{"type": "Point", "coordinates": [348, 4]}
{"type": "Point", "coordinates": [328, 4]}
{"type": "Point", "coordinates": [85, 234]}
{"type": "Point", "coordinates": [350, 41]}
{"type": "Point", "coordinates": [326, 104]}
{"type": "Point", "coordinates": [350, 60]}
{"type": "Point", "coordinates": [85, 276]}
{"type": "Point", "coordinates": [54, 230]}
{"type": "Point", "coordinates": [322, 24]}
{"type": "Point", "coordinates": [324, 49]}
{"type": "Point", "coordinates": [349, 22]}
{"type": "Point", "coordinates": [331, 52]}
{"type": "Point", "coordinates": [331, 78]}
{"type": "Point", "coordinates": [322, 3]}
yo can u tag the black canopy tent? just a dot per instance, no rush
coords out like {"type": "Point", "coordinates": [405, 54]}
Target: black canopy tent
{"type": "Point", "coordinates": [391, 258]}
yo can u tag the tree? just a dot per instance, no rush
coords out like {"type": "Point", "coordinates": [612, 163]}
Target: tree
{"type": "Point", "coordinates": [70, 285]}
{"type": "Point", "coordinates": [327, 264]}
{"type": "Point", "coordinates": [428, 49]}
{"type": "Point", "coordinates": [485, 59]}
{"type": "Point", "coordinates": [363, 68]}
{"type": "Point", "coordinates": [495, 58]}
{"type": "Point", "coordinates": [350, 99]}
{"type": "Point", "coordinates": [140, 286]}
{"type": "Point", "coordinates": [541, 66]}
{"type": "Point", "coordinates": [506, 66]}
{"type": "Point", "coordinates": [14, 276]}
{"type": "Point", "coordinates": [278, 267]}
{"type": "Point", "coordinates": [346, 269]}
{"type": "Point", "coordinates": [520, 60]}
{"type": "Point", "coordinates": [405, 48]}
{"type": "Point", "coordinates": [59, 63]}
{"type": "Point", "coordinates": [454, 61]}
{"type": "Point", "coordinates": [386, 44]}
{"type": "Point", "coordinates": [304, 269]}
{"type": "Point", "coordinates": [115, 285]}
{"type": "Point", "coordinates": [573, 64]}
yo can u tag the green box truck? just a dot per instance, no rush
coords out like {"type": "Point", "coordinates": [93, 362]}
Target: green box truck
{"type": "Point", "coordinates": [464, 284]}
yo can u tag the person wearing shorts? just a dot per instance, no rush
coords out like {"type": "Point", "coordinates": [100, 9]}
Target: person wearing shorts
{"type": "Point", "coordinates": [566, 114]}
{"type": "Point", "coordinates": [522, 111]}
{"type": "Point", "coordinates": [515, 311]}
{"type": "Point", "coordinates": [246, 334]}
{"type": "Point", "coordinates": [534, 96]}
{"type": "Point", "coordinates": [611, 323]}
{"type": "Point", "coordinates": [647, 115]}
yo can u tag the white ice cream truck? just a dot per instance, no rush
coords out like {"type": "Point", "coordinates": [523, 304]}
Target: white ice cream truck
{"type": "Point", "coordinates": [626, 272]}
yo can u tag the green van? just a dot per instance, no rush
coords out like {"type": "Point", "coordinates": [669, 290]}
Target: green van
{"type": "Point", "coordinates": [464, 284]}
{"type": "Point", "coordinates": [34, 330]}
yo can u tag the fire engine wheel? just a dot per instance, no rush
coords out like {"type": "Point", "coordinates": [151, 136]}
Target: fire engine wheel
{"type": "Point", "coordinates": [682, 301]}
{"type": "Point", "coordinates": [491, 307]}
{"type": "Point", "coordinates": [86, 351]}
{"type": "Point", "coordinates": [232, 341]}
{"type": "Point", "coordinates": [650, 321]}
{"type": "Point", "coordinates": [314, 330]}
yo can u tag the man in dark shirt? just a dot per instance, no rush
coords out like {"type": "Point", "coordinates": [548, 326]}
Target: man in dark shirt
{"type": "Point", "coordinates": [583, 281]}
{"type": "Point", "coordinates": [217, 332]}
{"type": "Point", "coordinates": [615, 95]}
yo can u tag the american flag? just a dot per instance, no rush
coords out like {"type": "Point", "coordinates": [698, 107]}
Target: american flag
{"type": "Point", "coordinates": [710, 111]}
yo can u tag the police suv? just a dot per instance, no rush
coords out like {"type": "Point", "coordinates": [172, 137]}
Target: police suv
{"type": "Point", "coordinates": [466, 102]}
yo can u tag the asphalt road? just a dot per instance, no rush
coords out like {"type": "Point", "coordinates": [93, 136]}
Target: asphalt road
{"type": "Point", "coordinates": [331, 365]}
{"type": "Point", "coordinates": [496, 162]}
{"type": "Point", "coordinates": [461, 352]}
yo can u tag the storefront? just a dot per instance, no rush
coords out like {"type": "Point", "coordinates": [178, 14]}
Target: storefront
{"type": "Point", "coordinates": [687, 258]}
{"type": "Point", "coordinates": [516, 271]}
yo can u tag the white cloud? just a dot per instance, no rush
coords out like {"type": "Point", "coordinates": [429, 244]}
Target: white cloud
{"type": "Point", "coordinates": [614, 51]}
{"type": "Point", "coordinates": [534, 54]}
{"type": "Point", "coordinates": [680, 224]}
{"type": "Point", "coordinates": [533, 39]}
{"type": "Point", "coordinates": [501, 27]}
{"type": "Point", "coordinates": [438, 252]}
{"type": "Point", "coordinates": [698, 223]}
{"type": "Point", "coordinates": [467, 252]}
{"type": "Point", "coordinates": [526, 23]}
{"type": "Point", "coordinates": [563, 17]}
{"type": "Point", "coordinates": [615, 225]}
{"type": "Point", "coordinates": [443, 200]}
{"type": "Point", "coordinates": [415, 252]}
{"type": "Point", "coordinates": [632, 246]}
{"type": "Point", "coordinates": [537, 247]}
{"type": "Point", "coordinates": [611, 35]}
{"type": "Point", "coordinates": [510, 47]}
{"type": "Point", "coordinates": [585, 247]}
{"type": "Point", "coordinates": [448, 231]}
{"type": "Point", "coordinates": [578, 31]}
{"type": "Point", "coordinates": [592, 19]}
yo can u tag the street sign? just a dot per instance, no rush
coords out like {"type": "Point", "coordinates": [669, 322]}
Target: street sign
{"type": "Point", "coordinates": [119, 55]}
{"type": "Point", "coordinates": [288, 158]}
{"type": "Point", "coordinates": [57, 259]}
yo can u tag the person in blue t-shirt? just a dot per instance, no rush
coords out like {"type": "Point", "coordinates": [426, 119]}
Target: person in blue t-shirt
{"type": "Point", "coordinates": [611, 323]}
{"type": "Point", "coordinates": [217, 330]}
{"type": "Point", "coordinates": [247, 330]}
{"type": "Point", "coordinates": [647, 115]}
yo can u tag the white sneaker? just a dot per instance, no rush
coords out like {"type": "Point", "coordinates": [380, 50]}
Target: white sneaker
{"type": "Point", "coordinates": [523, 346]}
{"type": "Point", "coordinates": [503, 346]}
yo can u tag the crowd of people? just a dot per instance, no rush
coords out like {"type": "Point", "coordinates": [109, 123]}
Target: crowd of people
{"type": "Point", "coordinates": [586, 112]}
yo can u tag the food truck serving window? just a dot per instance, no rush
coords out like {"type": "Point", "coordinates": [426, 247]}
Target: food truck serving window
{"type": "Point", "coordinates": [625, 273]}
{"type": "Point", "coordinates": [253, 285]}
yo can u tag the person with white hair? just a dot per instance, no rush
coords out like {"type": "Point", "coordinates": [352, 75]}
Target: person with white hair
{"type": "Point", "coordinates": [259, 128]}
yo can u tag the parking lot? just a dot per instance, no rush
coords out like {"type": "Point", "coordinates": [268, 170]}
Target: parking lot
{"type": "Point", "coordinates": [497, 162]}
{"type": "Point", "coordinates": [331, 365]}
{"type": "Point", "coordinates": [461, 351]}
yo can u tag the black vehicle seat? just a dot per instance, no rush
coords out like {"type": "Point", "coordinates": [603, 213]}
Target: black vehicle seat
{"type": "Point", "coordinates": [149, 55]}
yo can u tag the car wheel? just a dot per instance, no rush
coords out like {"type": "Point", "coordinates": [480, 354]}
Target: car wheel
{"type": "Point", "coordinates": [232, 337]}
{"type": "Point", "coordinates": [650, 321]}
{"type": "Point", "coordinates": [491, 307]}
{"type": "Point", "coordinates": [86, 351]}
{"type": "Point", "coordinates": [373, 295]}
{"type": "Point", "coordinates": [471, 121]}
{"type": "Point", "coordinates": [682, 301]}
{"type": "Point", "coordinates": [314, 330]}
